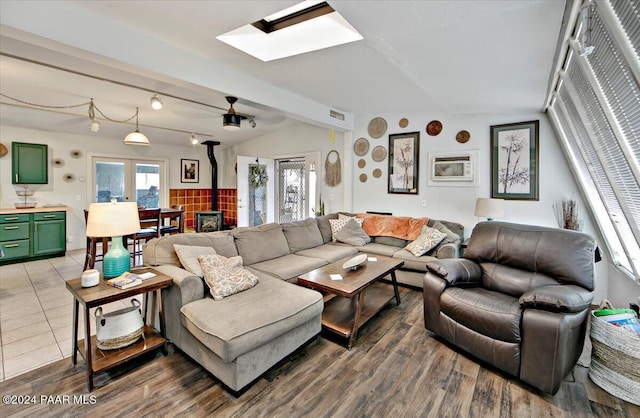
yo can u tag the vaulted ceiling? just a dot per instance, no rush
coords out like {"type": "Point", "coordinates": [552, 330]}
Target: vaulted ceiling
{"type": "Point", "coordinates": [416, 56]}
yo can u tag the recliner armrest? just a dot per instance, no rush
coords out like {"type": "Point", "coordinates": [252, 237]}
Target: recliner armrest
{"type": "Point", "coordinates": [456, 270]}
{"type": "Point", "coordinates": [557, 298]}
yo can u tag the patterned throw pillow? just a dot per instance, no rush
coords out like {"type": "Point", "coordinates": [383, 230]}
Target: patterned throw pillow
{"type": "Point", "coordinates": [225, 276]}
{"type": "Point", "coordinates": [338, 224]}
{"type": "Point", "coordinates": [188, 255]}
{"type": "Point", "coordinates": [428, 239]}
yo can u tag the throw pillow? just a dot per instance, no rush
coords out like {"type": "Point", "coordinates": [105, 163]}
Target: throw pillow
{"type": "Point", "coordinates": [352, 233]}
{"type": "Point", "coordinates": [428, 239]}
{"type": "Point", "coordinates": [451, 236]}
{"type": "Point", "coordinates": [338, 224]}
{"type": "Point", "coordinates": [225, 276]}
{"type": "Point", "coordinates": [188, 255]}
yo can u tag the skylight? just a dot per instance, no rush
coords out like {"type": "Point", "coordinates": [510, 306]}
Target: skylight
{"type": "Point", "coordinates": [305, 27]}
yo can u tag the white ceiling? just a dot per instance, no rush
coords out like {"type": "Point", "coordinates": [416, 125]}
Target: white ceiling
{"type": "Point", "coordinates": [417, 56]}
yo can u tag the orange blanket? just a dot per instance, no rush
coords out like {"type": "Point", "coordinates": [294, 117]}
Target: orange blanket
{"type": "Point", "coordinates": [402, 227]}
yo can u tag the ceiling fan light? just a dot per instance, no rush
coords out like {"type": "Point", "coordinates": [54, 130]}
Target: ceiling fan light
{"type": "Point", "coordinates": [156, 103]}
{"type": "Point", "coordinates": [136, 138]}
{"type": "Point", "coordinates": [231, 121]}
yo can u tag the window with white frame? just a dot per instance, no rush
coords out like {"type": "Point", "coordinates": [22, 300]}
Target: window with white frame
{"type": "Point", "coordinates": [596, 112]}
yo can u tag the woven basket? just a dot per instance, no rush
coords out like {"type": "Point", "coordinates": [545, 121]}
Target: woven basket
{"type": "Point", "coordinates": [615, 360]}
{"type": "Point", "coordinates": [120, 328]}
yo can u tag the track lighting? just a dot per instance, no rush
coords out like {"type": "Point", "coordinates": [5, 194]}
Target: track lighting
{"type": "Point", "coordinates": [252, 122]}
{"type": "Point", "coordinates": [231, 121]}
{"type": "Point", "coordinates": [156, 103]}
{"type": "Point", "coordinates": [136, 137]}
{"type": "Point", "coordinates": [194, 140]}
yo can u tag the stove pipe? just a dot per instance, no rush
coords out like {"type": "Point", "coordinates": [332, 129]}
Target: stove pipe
{"type": "Point", "coordinates": [214, 173]}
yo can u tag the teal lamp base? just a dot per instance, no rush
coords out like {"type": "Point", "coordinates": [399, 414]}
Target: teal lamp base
{"type": "Point", "coordinates": [117, 260]}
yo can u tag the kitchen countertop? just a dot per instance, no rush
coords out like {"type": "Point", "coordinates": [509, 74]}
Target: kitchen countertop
{"type": "Point", "coordinates": [37, 209]}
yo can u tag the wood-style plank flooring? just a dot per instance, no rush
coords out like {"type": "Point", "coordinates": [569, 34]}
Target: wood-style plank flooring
{"type": "Point", "coordinates": [396, 369]}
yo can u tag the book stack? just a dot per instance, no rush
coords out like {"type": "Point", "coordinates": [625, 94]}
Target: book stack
{"type": "Point", "coordinates": [125, 280]}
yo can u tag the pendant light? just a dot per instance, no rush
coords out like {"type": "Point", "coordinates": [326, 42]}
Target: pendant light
{"type": "Point", "coordinates": [136, 137]}
{"type": "Point", "coordinates": [231, 121]}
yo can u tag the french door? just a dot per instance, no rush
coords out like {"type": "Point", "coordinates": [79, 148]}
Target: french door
{"type": "Point", "coordinates": [129, 180]}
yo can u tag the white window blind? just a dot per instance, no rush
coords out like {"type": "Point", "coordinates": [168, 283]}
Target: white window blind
{"type": "Point", "coordinates": [596, 112]}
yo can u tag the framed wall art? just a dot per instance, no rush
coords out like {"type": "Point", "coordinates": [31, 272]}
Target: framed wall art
{"type": "Point", "coordinates": [514, 161]}
{"type": "Point", "coordinates": [404, 159]}
{"type": "Point", "coordinates": [189, 171]}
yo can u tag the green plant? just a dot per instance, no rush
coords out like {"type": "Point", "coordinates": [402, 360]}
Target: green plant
{"type": "Point", "coordinates": [320, 211]}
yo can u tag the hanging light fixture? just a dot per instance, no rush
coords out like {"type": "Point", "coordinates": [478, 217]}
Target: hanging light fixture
{"type": "Point", "coordinates": [95, 125]}
{"type": "Point", "coordinates": [231, 121]}
{"type": "Point", "coordinates": [193, 139]}
{"type": "Point", "coordinates": [136, 137]}
{"type": "Point", "coordinates": [156, 103]}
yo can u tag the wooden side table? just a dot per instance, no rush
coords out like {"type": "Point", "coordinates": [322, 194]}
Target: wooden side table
{"type": "Point", "coordinates": [98, 360]}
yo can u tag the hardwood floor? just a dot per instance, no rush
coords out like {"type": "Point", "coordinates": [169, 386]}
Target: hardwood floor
{"type": "Point", "coordinates": [396, 368]}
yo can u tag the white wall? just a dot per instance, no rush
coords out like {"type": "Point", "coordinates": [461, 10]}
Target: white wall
{"type": "Point", "coordinates": [299, 138]}
{"type": "Point", "coordinates": [59, 191]}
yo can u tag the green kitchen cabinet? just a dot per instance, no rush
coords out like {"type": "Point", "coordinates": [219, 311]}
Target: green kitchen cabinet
{"type": "Point", "coordinates": [29, 163]}
{"type": "Point", "coordinates": [32, 236]}
{"type": "Point", "coordinates": [49, 233]}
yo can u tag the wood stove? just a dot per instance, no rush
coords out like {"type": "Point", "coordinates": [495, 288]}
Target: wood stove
{"type": "Point", "coordinates": [209, 221]}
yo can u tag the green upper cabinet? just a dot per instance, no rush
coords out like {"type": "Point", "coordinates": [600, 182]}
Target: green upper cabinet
{"type": "Point", "coordinates": [29, 163]}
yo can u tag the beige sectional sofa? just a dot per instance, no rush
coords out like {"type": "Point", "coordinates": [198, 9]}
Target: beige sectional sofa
{"type": "Point", "coordinates": [240, 337]}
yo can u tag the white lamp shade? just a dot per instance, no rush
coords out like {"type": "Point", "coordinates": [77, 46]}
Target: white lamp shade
{"type": "Point", "coordinates": [489, 208]}
{"type": "Point", "coordinates": [113, 219]}
{"type": "Point", "coordinates": [136, 138]}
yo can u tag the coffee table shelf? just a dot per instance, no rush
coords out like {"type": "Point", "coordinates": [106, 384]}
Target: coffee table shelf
{"type": "Point", "coordinates": [339, 313]}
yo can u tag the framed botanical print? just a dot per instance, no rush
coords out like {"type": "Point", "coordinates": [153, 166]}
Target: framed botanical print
{"type": "Point", "coordinates": [404, 158]}
{"type": "Point", "coordinates": [189, 171]}
{"type": "Point", "coordinates": [514, 161]}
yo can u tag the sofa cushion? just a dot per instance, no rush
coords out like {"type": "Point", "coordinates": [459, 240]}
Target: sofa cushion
{"type": "Point", "coordinates": [381, 249]}
{"type": "Point", "coordinates": [411, 262]}
{"type": "Point", "coordinates": [489, 313]}
{"type": "Point", "coordinates": [290, 266]}
{"type": "Point", "coordinates": [330, 252]}
{"type": "Point", "coordinates": [225, 276]}
{"type": "Point", "coordinates": [188, 255]}
{"type": "Point", "coordinates": [159, 251]}
{"type": "Point", "coordinates": [324, 227]}
{"type": "Point", "coordinates": [512, 281]}
{"type": "Point", "coordinates": [260, 243]}
{"type": "Point", "coordinates": [239, 324]}
{"type": "Point", "coordinates": [450, 235]}
{"type": "Point", "coordinates": [351, 233]}
{"type": "Point", "coordinates": [302, 234]}
{"type": "Point", "coordinates": [396, 242]}
{"type": "Point", "coordinates": [428, 239]}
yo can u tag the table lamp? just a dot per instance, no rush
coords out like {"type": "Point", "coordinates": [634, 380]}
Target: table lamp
{"type": "Point", "coordinates": [489, 208]}
{"type": "Point", "coordinates": [113, 220]}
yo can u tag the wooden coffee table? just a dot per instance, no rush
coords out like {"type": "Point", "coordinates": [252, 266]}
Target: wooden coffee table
{"type": "Point", "coordinates": [346, 308]}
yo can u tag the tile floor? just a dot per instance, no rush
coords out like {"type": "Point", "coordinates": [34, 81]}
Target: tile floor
{"type": "Point", "coordinates": [36, 313]}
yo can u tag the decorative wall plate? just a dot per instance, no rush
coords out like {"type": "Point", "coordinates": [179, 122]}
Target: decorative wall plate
{"type": "Point", "coordinates": [404, 122]}
{"type": "Point", "coordinates": [434, 127]}
{"type": "Point", "coordinates": [3, 150]}
{"type": "Point", "coordinates": [362, 163]}
{"type": "Point", "coordinates": [463, 136]}
{"type": "Point", "coordinates": [360, 147]}
{"type": "Point", "coordinates": [69, 178]}
{"type": "Point", "coordinates": [58, 162]}
{"type": "Point", "coordinates": [377, 173]}
{"type": "Point", "coordinates": [75, 153]}
{"type": "Point", "coordinates": [377, 127]}
{"type": "Point", "coordinates": [379, 153]}
{"type": "Point", "coordinates": [363, 178]}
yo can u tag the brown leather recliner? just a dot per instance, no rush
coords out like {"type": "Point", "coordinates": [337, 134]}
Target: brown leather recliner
{"type": "Point", "coordinates": [519, 299]}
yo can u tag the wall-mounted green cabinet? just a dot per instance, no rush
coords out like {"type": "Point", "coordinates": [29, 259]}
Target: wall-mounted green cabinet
{"type": "Point", "coordinates": [27, 236]}
{"type": "Point", "coordinates": [29, 163]}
